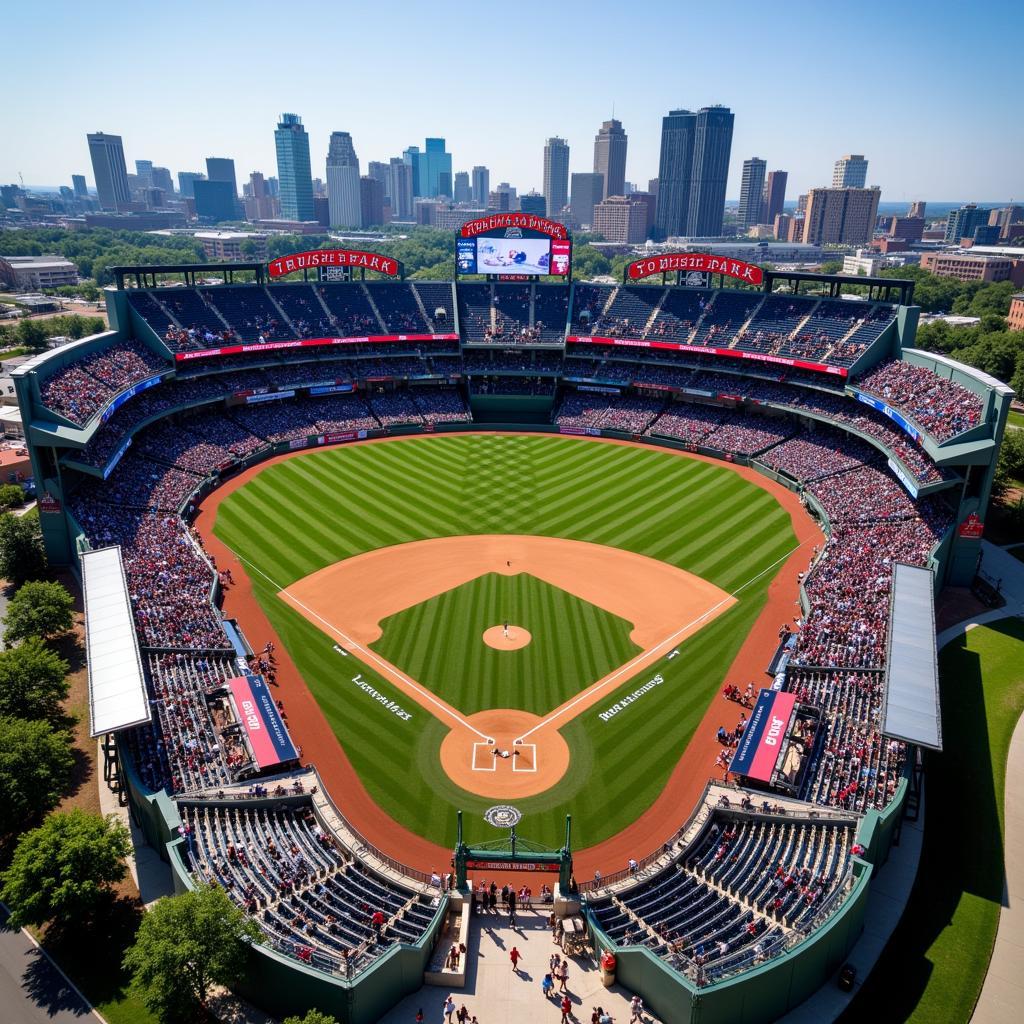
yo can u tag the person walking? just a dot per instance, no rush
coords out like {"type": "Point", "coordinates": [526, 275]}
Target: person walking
{"type": "Point", "coordinates": [563, 975]}
{"type": "Point", "coordinates": [636, 1009]}
{"type": "Point", "coordinates": [515, 956]}
{"type": "Point", "coordinates": [449, 1009]}
{"type": "Point", "coordinates": [547, 985]}
{"type": "Point", "coordinates": [566, 1008]}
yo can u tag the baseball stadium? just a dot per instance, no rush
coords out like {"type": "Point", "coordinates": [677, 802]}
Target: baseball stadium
{"type": "Point", "coordinates": [619, 594]}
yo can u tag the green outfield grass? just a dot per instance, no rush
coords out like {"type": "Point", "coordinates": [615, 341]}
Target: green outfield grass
{"type": "Point", "coordinates": [932, 970]}
{"type": "Point", "coordinates": [438, 644]}
{"type": "Point", "coordinates": [303, 514]}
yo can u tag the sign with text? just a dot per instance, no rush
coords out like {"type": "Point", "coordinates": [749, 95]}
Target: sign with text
{"type": "Point", "coordinates": [273, 346]}
{"type": "Point", "coordinates": [972, 528]}
{"type": "Point", "coordinates": [499, 222]}
{"type": "Point", "coordinates": [261, 721]}
{"type": "Point", "coordinates": [762, 739]}
{"type": "Point", "coordinates": [695, 262]}
{"type": "Point", "coordinates": [315, 258]}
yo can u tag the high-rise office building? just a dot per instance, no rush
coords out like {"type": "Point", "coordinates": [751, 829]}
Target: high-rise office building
{"type": "Point", "coordinates": [435, 169]}
{"type": "Point", "coordinates": [850, 172]}
{"type": "Point", "coordinates": [621, 219]}
{"type": "Point", "coordinates": [556, 176]}
{"type": "Point", "coordinates": [144, 172]}
{"type": "Point", "coordinates": [215, 201]}
{"type": "Point", "coordinates": [162, 179]}
{"type": "Point", "coordinates": [414, 158]}
{"type": "Point", "coordinates": [675, 172]}
{"type": "Point", "coordinates": [712, 145]}
{"type": "Point", "coordinates": [343, 189]}
{"type": "Point", "coordinates": [462, 191]}
{"type": "Point", "coordinates": [917, 209]}
{"type": "Point", "coordinates": [774, 195]}
{"type": "Point", "coordinates": [382, 172]}
{"type": "Point", "coordinates": [960, 223]}
{"type": "Point", "coordinates": [222, 168]}
{"type": "Point", "coordinates": [293, 170]}
{"type": "Point", "coordinates": [108, 168]}
{"type": "Point", "coordinates": [400, 188]}
{"type": "Point", "coordinates": [371, 202]}
{"type": "Point", "coordinates": [259, 203]}
{"type": "Point", "coordinates": [79, 186]}
{"type": "Point", "coordinates": [533, 203]}
{"type": "Point", "coordinates": [1005, 216]}
{"type": "Point", "coordinates": [610, 157]}
{"type": "Point", "coordinates": [481, 185]}
{"type": "Point", "coordinates": [841, 216]}
{"type": "Point", "coordinates": [751, 192]}
{"type": "Point", "coordinates": [186, 182]}
{"type": "Point", "coordinates": [587, 191]}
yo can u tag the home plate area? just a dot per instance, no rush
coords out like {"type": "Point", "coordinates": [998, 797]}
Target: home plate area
{"type": "Point", "coordinates": [489, 757]}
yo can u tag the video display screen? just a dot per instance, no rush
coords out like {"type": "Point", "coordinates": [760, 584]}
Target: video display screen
{"type": "Point", "coordinates": [527, 256]}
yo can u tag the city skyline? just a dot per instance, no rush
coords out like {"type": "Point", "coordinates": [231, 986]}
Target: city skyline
{"type": "Point", "coordinates": [909, 154]}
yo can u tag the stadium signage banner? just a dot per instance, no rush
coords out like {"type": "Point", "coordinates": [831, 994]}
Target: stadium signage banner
{"type": "Point", "coordinates": [331, 389]}
{"type": "Point", "coordinates": [695, 262]}
{"type": "Point", "coordinates": [729, 353]}
{"type": "Point", "coordinates": [261, 720]}
{"type": "Point", "coordinates": [116, 458]}
{"type": "Point", "coordinates": [272, 396]}
{"type": "Point", "coordinates": [270, 346]}
{"type": "Point", "coordinates": [510, 865]}
{"type": "Point", "coordinates": [581, 431]}
{"type": "Point", "coordinates": [900, 473]}
{"type": "Point", "coordinates": [762, 740]}
{"type": "Point", "coordinates": [524, 221]}
{"type": "Point", "coordinates": [972, 528]}
{"type": "Point", "coordinates": [137, 389]}
{"type": "Point", "coordinates": [314, 258]}
{"type": "Point", "coordinates": [877, 403]}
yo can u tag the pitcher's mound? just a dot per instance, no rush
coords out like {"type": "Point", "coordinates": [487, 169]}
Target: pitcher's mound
{"type": "Point", "coordinates": [517, 637]}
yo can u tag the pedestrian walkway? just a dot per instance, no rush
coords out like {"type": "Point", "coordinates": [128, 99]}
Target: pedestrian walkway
{"type": "Point", "coordinates": [498, 995]}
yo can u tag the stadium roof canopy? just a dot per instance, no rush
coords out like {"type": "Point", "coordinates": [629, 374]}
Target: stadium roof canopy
{"type": "Point", "coordinates": [117, 687]}
{"type": "Point", "coordinates": [910, 709]}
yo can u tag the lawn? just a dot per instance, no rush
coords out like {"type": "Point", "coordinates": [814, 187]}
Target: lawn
{"type": "Point", "coordinates": [935, 964]}
{"type": "Point", "coordinates": [333, 504]}
{"type": "Point", "coordinates": [573, 644]}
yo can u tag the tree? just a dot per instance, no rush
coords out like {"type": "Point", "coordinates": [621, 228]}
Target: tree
{"type": "Point", "coordinates": [21, 549]}
{"type": "Point", "coordinates": [33, 681]}
{"type": "Point", "coordinates": [312, 1017]}
{"type": "Point", "coordinates": [184, 945]}
{"type": "Point", "coordinates": [35, 768]}
{"type": "Point", "coordinates": [31, 335]}
{"type": "Point", "coordinates": [64, 869]}
{"type": "Point", "coordinates": [11, 496]}
{"type": "Point", "coordinates": [39, 608]}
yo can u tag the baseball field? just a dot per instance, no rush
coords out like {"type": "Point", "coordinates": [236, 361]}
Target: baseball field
{"type": "Point", "coordinates": [485, 618]}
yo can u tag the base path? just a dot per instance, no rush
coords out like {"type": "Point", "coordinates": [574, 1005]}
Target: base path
{"type": "Point", "coordinates": [664, 604]}
{"type": "Point", "coordinates": [686, 783]}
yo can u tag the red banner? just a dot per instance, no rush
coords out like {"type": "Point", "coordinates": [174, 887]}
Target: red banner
{"type": "Point", "coordinates": [269, 346]}
{"type": "Point", "coordinates": [261, 721]}
{"type": "Point", "coordinates": [734, 353]}
{"type": "Point", "coordinates": [333, 258]}
{"type": "Point", "coordinates": [702, 262]}
{"type": "Point", "coordinates": [497, 222]}
{"type": "Point", "coordinates": [972, 528]}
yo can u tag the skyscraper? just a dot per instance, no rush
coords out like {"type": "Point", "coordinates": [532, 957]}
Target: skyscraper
{"type": "Point", "coordinates": [371, 201]}
{"type": "Point", "coordinates": [215, 201]}
{"type": "Point", "coordinates": [850, 171]}
{"type": "Point", "coordinates": [80, 188]}
{"type": "Point", "coordinates": [435, 164]}
{"type": "Point", "coordinates": [774, 195]}
{"type": "Point", "coordinates": [838, 216]}
{"type": "Point", "coordinates": [417, 168]}
{"type": "Point", "coordinates": [960, 223]}
{"type": "Point", "coordinates": [162, 179]}
{"type": "Point", "coordinates": [481, 185]}
{"type": "Point", "coordinates": [400, 188]}
{"type": "Point", "coordinates": [222, 168]}
{"type": "Point", "coordinates": [712, 145]}
{"type": "Point", "coordinates": [144, 171]}
{"type": "Point", "coordinates": [186, 183]}
{"type": "Point", "coordinates": [586, 194]}
{"type": "Point", "coordinates": [917, 208]}
{"type": "Point", "coordinates": [343, 189]}
{"type": "Point", "coordinates": [751, 189]}
{"type": "Point", "coordinates": [556, 175]}
{"type": "Point", "coordinates": [293, 169]}
{"type": "Point", "coordinates": [462, 191]}
{"type": "Point", "coordinates": [533, 203]}
{"type": "Point", "coordinates": [610, 157]}
{"type": "Point", "coordinates": [675, 171]}
{"type": "Point", "coordinates": [693, 171]}
{"type": "Point", "coordinates": [109, 170]}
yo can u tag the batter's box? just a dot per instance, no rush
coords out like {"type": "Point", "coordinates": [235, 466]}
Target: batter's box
{"type": "Point", "coordinates": [527, 759]}
{"type": "Point", "coordinates": [486, 756]}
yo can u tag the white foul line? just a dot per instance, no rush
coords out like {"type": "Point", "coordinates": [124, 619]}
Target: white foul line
{"type": "Point", "coordinates": [668, 641]}
{"type": "Point", "coordinates": [368, 655]}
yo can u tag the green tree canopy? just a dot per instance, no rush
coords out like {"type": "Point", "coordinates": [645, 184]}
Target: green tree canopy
{"type": "Point", "coordinates": [62, 870]}
{"type": "Point", "coordinates": [39, 608]}
{"type": "Point", "coordinates": [35, 768]}
{"type": "Point", "coordinates": [21, 549]}
{"type": "Point", "coordinates": [11, 496]}
{"type": "Point", "coordinates": [184, 945]}
{"type": "Point", "coordinates": [312, 1017]}
{"type": "Point", "coordinates": [33, 681]}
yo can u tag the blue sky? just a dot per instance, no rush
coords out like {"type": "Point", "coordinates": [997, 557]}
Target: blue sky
{"type": "Point", "coordinates": [927, 91]}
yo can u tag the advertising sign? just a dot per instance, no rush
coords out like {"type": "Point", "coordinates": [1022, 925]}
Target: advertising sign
{"type": "Point", "coordinates": [271, 346]}
{"type": "Point", "coordinates": [972, 528]}
{"type": "Point", "coordinates": [499, 222]}
{"type": "Point", "coordinates": [877, 403]}
{"type": "Point", "coordinates": [696, 262]}
{"type": "Point", "coordinates": [261, 721]}
{"type": "Point", "coordinates": [762, 739]}
{"type": "Point", "coordinates": [314, 258]}
{"type": "Point", "coordinates": [137, 389]}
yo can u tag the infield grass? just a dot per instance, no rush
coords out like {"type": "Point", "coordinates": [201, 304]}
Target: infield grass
{"type": "Point", "coordinates": [306, 513]}
{"type": "Point", "coordinates": [933, 968]}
